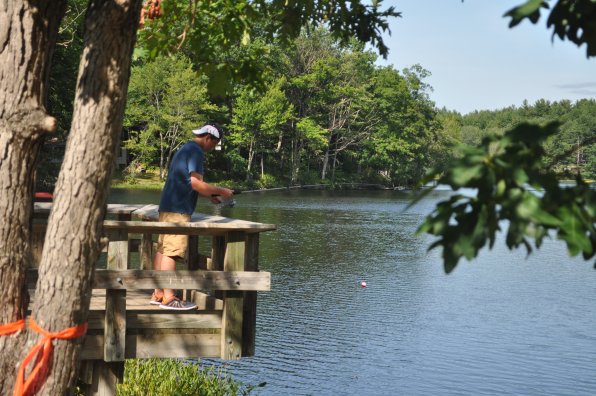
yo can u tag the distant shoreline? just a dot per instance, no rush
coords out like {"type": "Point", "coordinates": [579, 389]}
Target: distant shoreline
{"type": "Point", "coordinates": [337, 186]}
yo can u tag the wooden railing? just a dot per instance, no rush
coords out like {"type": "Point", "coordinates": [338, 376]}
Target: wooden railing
{"type": "Point", "coordinates": [223, 282]}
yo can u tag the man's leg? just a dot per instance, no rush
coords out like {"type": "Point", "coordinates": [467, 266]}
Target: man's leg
{"type": "Point", "coordinates": [170, 247]}
{"type": "Point", "coordinates": [157, 267]}
{"type": "Point", "coordinates": [166, 263]}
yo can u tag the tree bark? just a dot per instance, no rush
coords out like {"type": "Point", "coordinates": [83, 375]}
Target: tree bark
{"type": "Point", "coordinates": [325, 163]}
{"type": "Point", "coordinates": [251, 154]}
{"type": "Point", "coordinates": [28, 32]}
{"type": "Point", "coordinates": [72, 243]}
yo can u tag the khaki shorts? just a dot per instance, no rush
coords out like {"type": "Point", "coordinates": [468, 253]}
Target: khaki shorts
{"type": "Point", "coordinates": [170, 244]}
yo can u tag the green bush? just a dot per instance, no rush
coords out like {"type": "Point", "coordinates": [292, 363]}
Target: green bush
{"type": "Point", "coordinates": [179, 377]}
{"type": "Point", "coordinates": [309, 177]}
{"type": "Point", "coordinates": [267, 181]}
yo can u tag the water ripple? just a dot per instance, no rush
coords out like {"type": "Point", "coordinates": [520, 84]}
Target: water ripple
{"type": "Point", "coordinates": [501, 325]}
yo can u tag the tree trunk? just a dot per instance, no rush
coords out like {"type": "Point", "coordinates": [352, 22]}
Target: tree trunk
{"type": "Point", "coordinates": [333, 166]}
{"type": "Point", "coordinates": [28, 32]}
{"type": "Point", "coordinates": [251, 154]}
{"type": "Point", "coordinates": [326, 157]}
{"type": "Point", "coordinates": [578, 157]}
{"type": "Point", "coordinates": [262, 165]}
{"type": "Point", "coordinates": [296, 148]}
{"type": "Point", "coordinates": [325, 164]}
{"type": "Point", "coordinates": [72, 243]}
{"type": "Point", "coordinates": [162, 168]}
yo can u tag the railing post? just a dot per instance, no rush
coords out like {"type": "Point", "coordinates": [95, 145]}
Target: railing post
{"type": "Point", "coordinates": [146, 252]}
{"type": "Point", "coordinates": [115, 320]}
{"type": "Point", "coordinates": [249, 320]}
{"type": "Point", "coordinates": [105, 376]}
{"type": "Point", "coordinates": [231, 327]}
{"type": "Point", "coordinates": [218, 251]}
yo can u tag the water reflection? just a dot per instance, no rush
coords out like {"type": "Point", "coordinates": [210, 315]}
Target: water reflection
{"type": "Point", "coordinates": [502, 324]}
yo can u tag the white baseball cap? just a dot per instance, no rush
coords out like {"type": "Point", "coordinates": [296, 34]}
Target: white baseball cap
{"type": "Point", "coordinates": [207, 129]}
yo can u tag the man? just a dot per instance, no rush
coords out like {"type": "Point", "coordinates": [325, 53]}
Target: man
{"type": "Point", "coordinates": [178, 201]}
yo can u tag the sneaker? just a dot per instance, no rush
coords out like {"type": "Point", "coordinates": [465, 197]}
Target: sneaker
{"type": "Point", "coordinates": [175, 303]}
{"type": "Point", "coordinates": [155, 299]}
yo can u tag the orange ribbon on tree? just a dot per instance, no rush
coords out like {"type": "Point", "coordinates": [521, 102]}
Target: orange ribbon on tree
{"type": "Point", "coordinates": [12, 327]}
{"type": "Point", "coordinates": [41, 368]}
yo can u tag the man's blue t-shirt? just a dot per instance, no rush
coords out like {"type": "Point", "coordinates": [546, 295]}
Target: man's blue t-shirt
{"type": "Point", "coordinates": [178, 195]}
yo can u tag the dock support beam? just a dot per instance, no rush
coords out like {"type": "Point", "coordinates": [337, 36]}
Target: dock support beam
{"type": "Point", "coordinates": [249, 319]}
{"type": "Point", "coordinates": [231, 327]}
{"type": "Point", "coordinates": [104, 377]}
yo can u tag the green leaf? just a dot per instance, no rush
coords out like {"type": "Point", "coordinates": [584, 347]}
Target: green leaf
{"type": "Point", "coordinates": [461, 176]}
{"type": "Point", "coordinates": [530, 9]}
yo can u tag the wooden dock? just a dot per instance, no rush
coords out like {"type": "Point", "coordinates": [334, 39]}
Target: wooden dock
{"type": "Point", "coordinates": [223, 282]}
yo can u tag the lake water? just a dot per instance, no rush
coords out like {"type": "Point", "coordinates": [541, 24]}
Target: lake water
{"type": "Point", "coordinates": [503, 324]}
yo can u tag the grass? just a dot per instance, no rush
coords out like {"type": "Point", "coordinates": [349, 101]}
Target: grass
{"type": "Point", "coordinates": [148, 180]}
{"type": "Point", "coordinates": [144, 377]}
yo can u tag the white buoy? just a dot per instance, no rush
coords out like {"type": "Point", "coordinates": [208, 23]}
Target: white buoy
{"type": "Point", "coordinates": [362, 283]}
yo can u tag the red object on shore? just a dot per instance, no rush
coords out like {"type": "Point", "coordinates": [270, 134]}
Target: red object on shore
{"type": "Point", "coordinates": [43, 197]}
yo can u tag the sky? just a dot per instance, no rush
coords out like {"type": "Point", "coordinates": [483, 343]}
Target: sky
{"type": "Point", "coordinates": [478, 63]}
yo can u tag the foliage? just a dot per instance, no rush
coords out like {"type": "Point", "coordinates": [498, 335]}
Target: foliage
{"type": "Point", "coordinates": [267, 181]}
{"type": "Point", "coordinates": [505, 173]}
{"type": "Point", "coordinates": [63, 76]}
{"type": "Point", "coordinates": [65, 65]}
{"type": "Point", "coordinates": [238, 25]}
{"type": "Point", "coordinates": [308, 130]}
{"type": "Point", "coordinates": [319, 111]}
{"type": "Point", "coordinates": [567, 152]}
{"type": "Point", "coordinates": [508, 154]}
{"type": "Point", "coordinates": [177, 377]}
{"type": "Point", "coordinates": [166, 100]}
{"type": "Point", "coordinates": [403, 135]}
{"type": "Point", "coordinates": [258, 121]}
{"type": "Point", "coordinates": [571, 19]}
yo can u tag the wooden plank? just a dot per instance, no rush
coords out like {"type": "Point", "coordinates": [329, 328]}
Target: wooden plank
{"type": "Point", "coordinates": [118, 249]}
{"type": "Point", "coordinates": [105, 378]}
{"type": "Point", "coordinates": [179, 279]}
{"type": "Point", "coordinates": [161, 320]}
{"type": "Point", "coordinates": [212, 226]}
{"type": "Point", "coordinates": [37, 239]}
{"type": "Point", "coordinates": [218, 252]}
{"type": "Point", "coordinates": [42, 207]}
{"type": "Point", "coordinates": [182, 279]}
{"type": "Point", "coordinates": [147, 212]}
{"type": "Point", "coordinates": [231, 326]}
{"type": "Point", "coordinates": [138, 301]}
{"type": "Point", "coordinates": [200, 224]}
{"type": "Point", "coordinates": [46, 207]}
{"type": "Point", "coordinates": [86, 372]}
{"type": "Point", "coordinates": [205, 301]}
{"type": "Point", "coordinates": [39, 225]}
{"type": "Point", "coordinates": [193, 253]}
{"type": "Point", "coordinates": [151, 213]}
{"type": "Point", "coordinates": [146, 251]}
{"type": "Point", "coordinates": [158, 345]}
{"type": "Point", "coordinates": [115, 315]}
{"type": "Point", "coordinates": [192, 260]}
{"type": "Point", "coordinates": [115, 328]}
{"type": "Point", "coordinates": [249, 316]}
{"type": "Point", "coordinates": [124, 209]}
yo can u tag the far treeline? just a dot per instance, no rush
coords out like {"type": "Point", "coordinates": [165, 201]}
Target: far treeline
{"type": "Point", "coordinates": [321, 111]}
